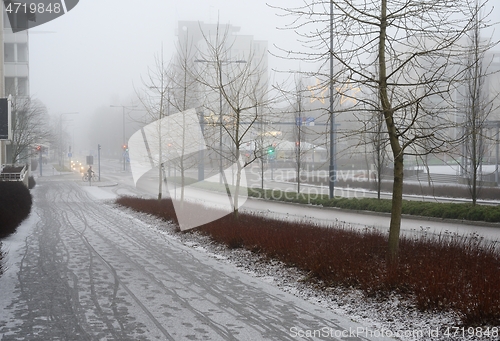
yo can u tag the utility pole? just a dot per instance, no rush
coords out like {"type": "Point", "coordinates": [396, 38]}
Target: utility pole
{"type": "Point", "coordinates": [60, 136]}
{"type": "Point", "coordinates": [99, 161]}
{"type": "Point", "coordinates": [124, 143]}
{"type": "Point", "coordinates": [332, 172]}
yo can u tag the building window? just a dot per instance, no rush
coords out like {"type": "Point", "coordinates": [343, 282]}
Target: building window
{"type": "Point", "coordinates": [22, 53]}
{"type": "Point", "coordinates": [16, 86]}
{"type": "Point", "coordinates": [22, 86]}
{"type": "Point", "coordinates": [10, 86]}
{"type": "Point", "coordinates": [9, 53]}
{"type": "Point", "coordinates": [6, 23]}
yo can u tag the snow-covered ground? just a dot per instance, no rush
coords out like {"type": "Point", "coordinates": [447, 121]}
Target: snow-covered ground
{"type": "Point", "coordinates": [395, 316]}
{"type": "Point", "coordinates": [454, 169]}
{"type": "Point", "coordinates": [391, 317]}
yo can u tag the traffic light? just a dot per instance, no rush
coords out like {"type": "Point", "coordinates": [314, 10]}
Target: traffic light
{"type": "Point", "coordinates": [38, 148]}
{"type": "Point", "coordinates": [125, 148]}
{"type": "Point", "coordinates": [271, 151]}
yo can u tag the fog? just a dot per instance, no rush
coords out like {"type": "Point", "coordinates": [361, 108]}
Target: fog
{"type": "Point", "coordinates": [95, 55]}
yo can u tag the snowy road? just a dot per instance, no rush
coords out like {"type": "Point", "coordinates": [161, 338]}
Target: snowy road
{"type": "Point", "coordinates": [79, 269]}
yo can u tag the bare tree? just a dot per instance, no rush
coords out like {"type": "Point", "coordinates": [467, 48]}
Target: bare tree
{"type": "Point", "coordinates": [154, 98]}
{"type": "Point", "coordinates": [404, 51]}
{"type": "Point", "coordinates": [29, 128]}
{"type": "Point", "coordinates": [378, 141]}
{"type": "Point", "coordinates": [183, 95]}
{"type": "Point", "coordinates": [240, 83]}
{"type": "Point", "coordinates": [299, 135]}
{"type": "Point", "coordinates": [478, 105]}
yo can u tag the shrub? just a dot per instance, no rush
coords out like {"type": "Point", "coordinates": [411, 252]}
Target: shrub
{"type": "Point", "coordinates": [15, 206]}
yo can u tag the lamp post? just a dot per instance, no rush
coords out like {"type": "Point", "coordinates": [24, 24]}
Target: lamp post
{"type": "Point", "coordinates": [332, 174]}
{"type": "Point", "coordinates": [60, 136]}
{"type": "Point", "coordinates": [219, 65]}
{"type": "Point", "coordinates": [123, 128]}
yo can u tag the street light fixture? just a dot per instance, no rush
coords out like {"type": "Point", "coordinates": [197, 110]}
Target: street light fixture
{"type": "Point", "coordinates": [123, 128]}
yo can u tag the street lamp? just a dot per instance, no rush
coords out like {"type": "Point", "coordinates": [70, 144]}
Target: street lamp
{"type": "Point", "coordinates": [124, 143]}
{"type": "Point", "coordinates": [219, 65]}
{"type": "Point", "coordinates": [332, 175]}
{"type": "Point", "coordinates": [60, 136]}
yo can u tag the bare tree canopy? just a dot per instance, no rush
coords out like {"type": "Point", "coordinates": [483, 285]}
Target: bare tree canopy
{"type": "Point", "coordinates": [237, 90]}
{"type": "Point", "coordinates": [405, 59]}
{"type": "Point", "coordinates": [29, 128]}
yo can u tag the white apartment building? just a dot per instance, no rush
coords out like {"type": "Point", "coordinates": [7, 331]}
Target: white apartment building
{"type": "Point", "coordinates": [14, 65]}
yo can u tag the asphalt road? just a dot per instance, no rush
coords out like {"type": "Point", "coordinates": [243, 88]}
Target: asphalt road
{"type": "Point", "coordinates": [80, 269]}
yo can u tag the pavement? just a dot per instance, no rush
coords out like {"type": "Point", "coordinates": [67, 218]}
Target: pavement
{"type": "Point", "coordinates": [80, 269]}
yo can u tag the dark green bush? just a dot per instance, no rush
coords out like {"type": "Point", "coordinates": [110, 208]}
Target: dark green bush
{"type": "Point", "coordinates": [15, 206]}
{"type": "Point", "coordinates": [464, 211]}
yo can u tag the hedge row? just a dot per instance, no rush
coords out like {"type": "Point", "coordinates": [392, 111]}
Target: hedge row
{"type": "Point", "coordinates": [15, 206]}
{"type": "Point", "coordinates": [464, 211]}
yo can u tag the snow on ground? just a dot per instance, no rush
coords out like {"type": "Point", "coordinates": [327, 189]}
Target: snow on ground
{"type": "Point", "coordinates": [454, 169]}
{"type": "Point", "coordinates": [100, 194]}
{"type": "Point", "coordinates": [13, 249]}
{"type": "Point", "coordinates": [394, 315]}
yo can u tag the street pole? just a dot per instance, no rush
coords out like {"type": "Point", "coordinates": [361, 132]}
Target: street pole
{"type": "Point", "coordinates": [99, 161]}
{"type": "Point", "coordinates": [332, 175]}
{"type": "Point", "coordinates": [61, 156]}
{"type": "Point", "coordinates": [220, 123]}
{"type": "Point", "coordinates": [496, 159]}
{"type": "Point", "coordinates": [123, 129]}
{"type": "Point", "coordinates": [123, 137]}
{"type": "Point", "coordinates": [201, 154]}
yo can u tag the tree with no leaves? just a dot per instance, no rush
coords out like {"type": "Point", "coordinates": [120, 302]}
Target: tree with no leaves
{"type": "Point", "coordinates": [237, 88]}
{"type": "Point", "coordinates": [29, 127]}
{"type": "Point", "coordinates": [406, 52]}
{"type": "Point", "coordinates": [478, 104]}
{"type": "Point", "coordinates": [183, 88]}
{"type": "Point", "coordinates": [154, 98]}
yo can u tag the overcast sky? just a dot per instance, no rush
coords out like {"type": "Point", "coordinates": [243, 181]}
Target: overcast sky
{"type": "Point", "coordinates": [95, 54]}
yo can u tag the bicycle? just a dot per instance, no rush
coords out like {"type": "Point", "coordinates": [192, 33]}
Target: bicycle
{"type": "Point", "coordinates": [85, 177]}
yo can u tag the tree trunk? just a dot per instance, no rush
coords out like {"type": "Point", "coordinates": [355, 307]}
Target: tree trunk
{"type": "Point", "coordinates": [238, 182]}
{"type": "Point", "coordinates": [397, 208]}
{"type": "Point", "coordinates": [397, 150]}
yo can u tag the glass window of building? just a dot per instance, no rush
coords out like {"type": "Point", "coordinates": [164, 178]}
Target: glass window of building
{"type": "Point", "coordinates": [10, 86]}
{"type": "Point", "coordinates": [6, 23]}
{"type": "Point", "coordinates": [9, 53]}
{"type": "Point", "coordinates": [22, 86]}
{"type": "Point", "coordinates": [22, 53]}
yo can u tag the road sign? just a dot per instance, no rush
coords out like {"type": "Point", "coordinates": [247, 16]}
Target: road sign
{"type": "Point", "coordinates": [304, 121]}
